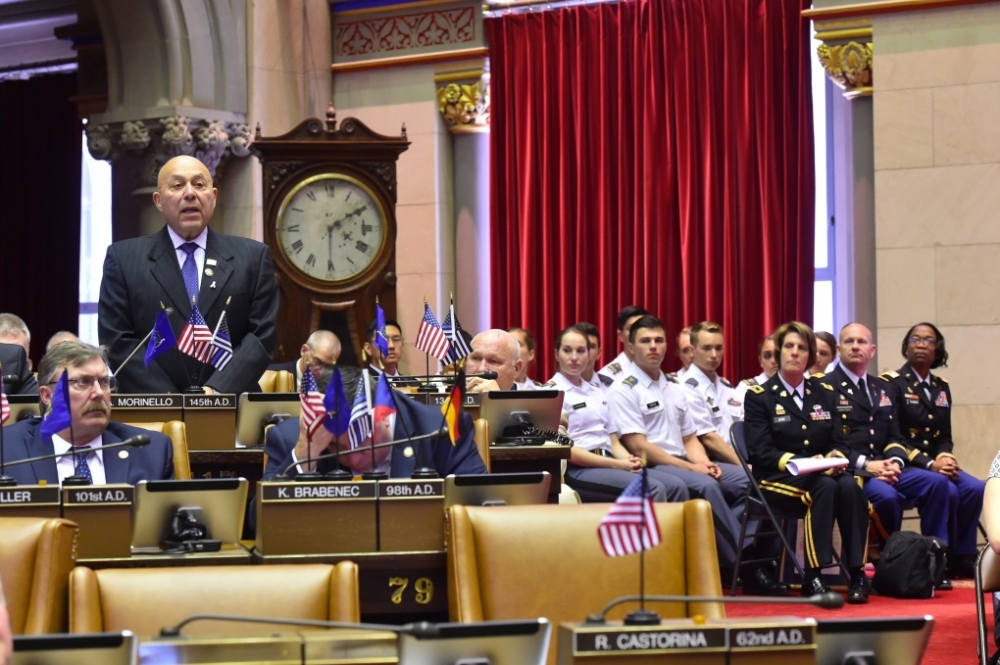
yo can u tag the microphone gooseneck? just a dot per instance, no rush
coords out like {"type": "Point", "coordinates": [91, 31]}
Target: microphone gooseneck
{"type": "Point", "coordinates": [829, 601]}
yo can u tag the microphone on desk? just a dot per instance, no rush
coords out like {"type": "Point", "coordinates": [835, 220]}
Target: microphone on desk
{"type": "Point", "coordinates": [137, 441]}
{"type": "Point", "coordinates": [419, 629]}
{"type": "Point", "coordinates": [828, 601]}
{"type": "Point", "coordinates": [444, 378]}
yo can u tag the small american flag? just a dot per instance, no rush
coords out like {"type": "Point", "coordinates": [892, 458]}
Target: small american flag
{"type": "Point", "coordinates": [360, 428]}
{"type": "Point", "coordinates": [630, 526]}
{"type": "Point", "coordinates": [430, 338]}
{"type": "Point", "coordinates": [313, 411]}
{"type": "Point", "coordinates": [453, 331]}
{"type": "Point", "coordinates": [222, 345]}
{"type": "Point", "coordinates": [196, 337]}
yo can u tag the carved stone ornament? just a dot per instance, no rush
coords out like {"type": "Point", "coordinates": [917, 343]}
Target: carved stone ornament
{"type": "Point", "coordinates": [465, 106]}
{"type": "Point", "coordinates": [849, 65]}
{"type": "Point", "coordinates": [157, 140]}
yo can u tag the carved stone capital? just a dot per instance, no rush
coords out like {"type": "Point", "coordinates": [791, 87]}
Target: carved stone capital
{"type": "Point", "coordinates": [846, 55]}
{"type": "Point", "coordinates": [464, 100]}
{"type": "Point", "coordinates": [154, 141]}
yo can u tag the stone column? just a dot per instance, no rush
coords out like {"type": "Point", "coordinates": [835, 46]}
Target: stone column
{"type": "Point", "coordinates": [845, 52]}
{"type": "Point", "coordinates": [464, 103]}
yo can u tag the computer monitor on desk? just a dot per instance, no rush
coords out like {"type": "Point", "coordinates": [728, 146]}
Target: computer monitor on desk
{"type": "Point", "coordinates": [873, 641]}
{"type": "Point", "coordinates": [493, 642]}
{"type": "Point", "coordinates": [84, 649]}
{"type": "Point", "coordinates": [256, 411]}
{"type": "Point", "coordinates": [497, 489]}
{"type": "Point", "coordinates": [218, 505]}
{"type": "Point", "coordinates": [509, 413]}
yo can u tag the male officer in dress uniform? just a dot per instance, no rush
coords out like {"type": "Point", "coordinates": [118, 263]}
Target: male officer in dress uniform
{"type": "Point", "coordinates": [650, 412]}
{"type": "Point", "coordinates": [923, 401]}
{"type": "Point", "coordinates": [620, 366]}
{"type": "Point", "coordinates": [866, 413]}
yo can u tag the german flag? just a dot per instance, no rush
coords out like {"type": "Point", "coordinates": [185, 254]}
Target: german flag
{"type": "Point", "coordinates": [452, 407]}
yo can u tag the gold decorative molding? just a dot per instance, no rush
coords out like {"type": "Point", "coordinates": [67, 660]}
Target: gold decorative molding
{"type": "Point", "coordinates": [884, 7]}
{"type": "Point", "coordinates": [849, 66]}
{"type": "Point", "coordinates": [404, 60]}
{"type": "Point", "coordinates": [464, 99]}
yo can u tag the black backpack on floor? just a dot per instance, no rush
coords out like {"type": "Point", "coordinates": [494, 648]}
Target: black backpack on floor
{"type": "Point", "coordinates": [911, 566]}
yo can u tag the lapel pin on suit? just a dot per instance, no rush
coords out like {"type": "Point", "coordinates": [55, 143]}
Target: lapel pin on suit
{"type": "Point", "coordinates": [122, 454]}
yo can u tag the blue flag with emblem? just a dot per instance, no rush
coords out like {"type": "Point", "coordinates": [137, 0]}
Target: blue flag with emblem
{"type": "Point", "coordinates": [338, 411]}
{"type": "Point", "coordinates": [57, 417]}
{"type": "Point", "coordinates": [381, 336]}
{"type": "Point", "coordinates": [162, 339]}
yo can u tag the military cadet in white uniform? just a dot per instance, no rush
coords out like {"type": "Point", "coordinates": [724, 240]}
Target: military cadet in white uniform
{"type": "Point", "coordinates": [622, 365]}
{"type": "Point", "coordinates": [651, 415]}
{"type": "Point", "coordinates": [590, 374]}
{"type": "Point", "coordinates": [685, 352]}
{"type": "Point", "coordinates": [715, 393]}
{"type": "Point", "coordinates": [526, 341]}
{"type": "Point", "coordinates": [768, 357]}
{"type": "Point", "coordinates": [598, 462]}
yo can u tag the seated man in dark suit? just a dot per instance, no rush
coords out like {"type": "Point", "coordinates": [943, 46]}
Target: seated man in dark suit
{"type": "Point", "coordinates": [90, 386]}
{"type": "Point", "coordinates": [18, 379]}
{"type": "Point", "coordinates": [319, 354]}
{"type": "Point", "coordinates": [287, 444]}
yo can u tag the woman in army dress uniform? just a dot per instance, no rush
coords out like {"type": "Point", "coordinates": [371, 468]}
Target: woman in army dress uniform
{"type": "Point", "coordinates": [924, 403]}
{"type": "Point", "coordinates": [791, 416]}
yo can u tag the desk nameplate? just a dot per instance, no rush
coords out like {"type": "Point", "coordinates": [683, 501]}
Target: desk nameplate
{"type": "Point", "coordinates": [99, 495]}
{"type": "Point", "coordinates": [668, 637]}
{"type": "Point", "coordinates": [209, 401]}
{"type": "Point", "coordinates": [137, 401]}
{"type": "Point", "coordinates": [272, 492]}
{"type": "Point", "coordinates": [210, 421]}
{"type": "Point", "coordinates": [30, 495]}
{"type": "Point", "coordinates": [104, 513]}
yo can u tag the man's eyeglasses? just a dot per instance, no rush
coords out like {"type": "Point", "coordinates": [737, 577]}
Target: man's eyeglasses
{"type": "Point", "coordinates": [84, 383]}
{"type": "Point", "coordinates": [922, 341]}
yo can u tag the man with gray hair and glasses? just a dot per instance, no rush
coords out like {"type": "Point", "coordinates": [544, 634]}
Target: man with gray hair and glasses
{"type": "Point", "coordinates": [88, 388]}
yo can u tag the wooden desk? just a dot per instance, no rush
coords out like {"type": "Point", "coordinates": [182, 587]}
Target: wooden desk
{"type": "Point", "coordinates": [226, 557]}
{"type": "Point", "coordinates": [520, 459]}
{"type": "Point", "coordinates": [236, 463]}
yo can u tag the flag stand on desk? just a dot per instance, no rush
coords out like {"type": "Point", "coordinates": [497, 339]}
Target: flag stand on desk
{"type": "Point", "coordinates": [630, 526]}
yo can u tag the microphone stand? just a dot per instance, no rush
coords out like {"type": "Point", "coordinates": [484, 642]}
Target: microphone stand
{"type": "Point", "coordinates": [828, 601]}
{"type": "Point", "coordinates": [135, 442]}
{"type": "Point", "coordinates": [373, 473]}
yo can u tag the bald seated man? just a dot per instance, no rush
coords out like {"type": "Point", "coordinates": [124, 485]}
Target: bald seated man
{"type": "Point", "coordinates": [182, 263]}
{"type": "Point", "coordinates": [493, 350]}
{"type": "Point", "coordinates": [319, 354]}
{"type": "Point", "coordinates": [59, 338]}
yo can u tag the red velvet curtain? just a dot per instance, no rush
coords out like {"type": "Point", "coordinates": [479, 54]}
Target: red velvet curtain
{"type": "Point", "coordinates": [652, 152]}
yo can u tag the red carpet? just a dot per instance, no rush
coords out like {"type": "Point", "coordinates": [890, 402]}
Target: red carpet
{"type": "Point", "coordinates": [953, 641]}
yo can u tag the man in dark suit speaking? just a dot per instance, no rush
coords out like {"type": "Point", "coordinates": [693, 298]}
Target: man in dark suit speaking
{"type": "Point", "coordinates": [90, 386]}
{"type": "Point", "coordinates": [187, 261]}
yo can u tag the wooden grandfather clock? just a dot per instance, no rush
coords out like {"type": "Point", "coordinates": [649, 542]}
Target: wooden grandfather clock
{"type": "Point", "coordinates": [330, 221]}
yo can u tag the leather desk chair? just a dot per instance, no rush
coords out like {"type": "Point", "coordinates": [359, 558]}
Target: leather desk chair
{"type": "Point", "coordinates": [277, 381]}
{"type": "Point", "coordinates": [482, 439]}
{"type": "Point", "coordinates": [521, 562]}
{"type": "Point", "coordinates": [36, 557]}
{"type": "Point", "coordinates": [144, 600]}
{"type": "Point", "coordinates": [177, 433]}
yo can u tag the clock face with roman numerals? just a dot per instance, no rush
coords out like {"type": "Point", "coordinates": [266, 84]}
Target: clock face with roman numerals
{"type": "Point", "coordinates": [331, 227]}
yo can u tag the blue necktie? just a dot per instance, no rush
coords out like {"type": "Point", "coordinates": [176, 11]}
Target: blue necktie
{"type": "Point", "coordinates": [190, 272]}
{"type": "Point", "coordinates": [80, 462]}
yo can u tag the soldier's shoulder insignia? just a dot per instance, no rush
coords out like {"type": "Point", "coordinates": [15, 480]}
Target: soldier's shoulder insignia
{"type": "Point", "coordinates": [615, 368]}
{"type": "Point", "coordinates": [884, 377]}
{"type": "Point", "coordinates": [817, 375]}
{"type": "Point", "coordinates": [889, 376]}
{"type": "Point", "coordinates": [550, 384]}
{"type": "Point", "coordinates": [750, 382]}
{"type": "Point", "coordinates": [725, 382]}
{"type": "Point", "coordinates": [672, 378]}
{"type": "Point", "coordinates": [942, 379]}
{"type": "Point", "coordinates": [539, 384]}
{"type": "Point", "coordinates": [756, 389]}
{"type": "Point", "coordinates": [693, 382]}
{"type": "Point", "coordinates": [630, 381]}
{"type": "Point", "coordinates": [827, 386]}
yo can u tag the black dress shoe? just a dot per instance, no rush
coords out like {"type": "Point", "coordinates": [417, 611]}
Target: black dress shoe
{"type": "Point", "coordinates": [964, 566]}
{"type": "Point", "coordinates": [812, 586]}
{"type": "Point", "coordinates": [857, 592]}
{"type": "Point", "coordinates": [760, 582]}
{"type": "Point", "coordinates": [944, 585]}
